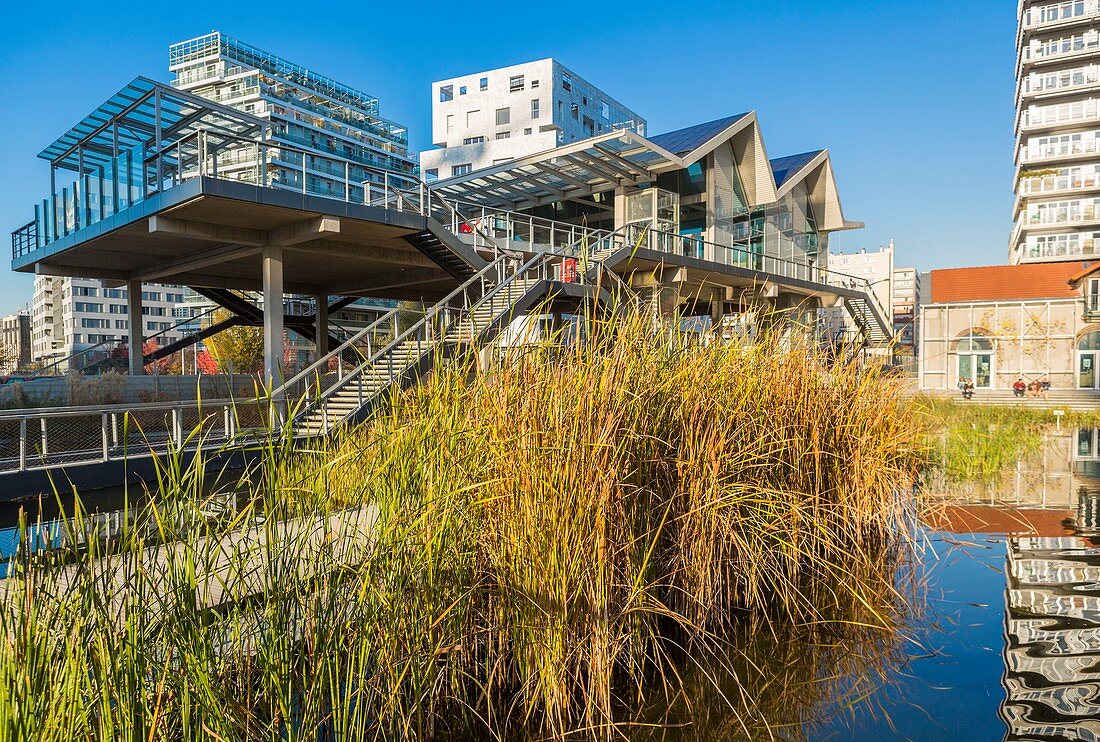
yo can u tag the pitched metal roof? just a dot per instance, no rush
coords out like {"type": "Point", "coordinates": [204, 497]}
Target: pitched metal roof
{"type": "Point", "coordinates": [691, 138]}
{"type": "Point", "coordinates": [135, 113]}
{"type": "Point", "coordinates": [785, 167]}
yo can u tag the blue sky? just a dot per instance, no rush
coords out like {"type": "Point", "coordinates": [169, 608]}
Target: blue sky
{"type": "Point", "coordinates": [914, 100]}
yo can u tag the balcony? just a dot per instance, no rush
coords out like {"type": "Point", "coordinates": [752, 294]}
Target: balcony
{"type": "Point", "coordinates": [1045, 84]}
{"type": "Point", "coordinates": [1062, 14]}
{"type": "Point", "coordinates": [1053, 184]}
{"type": "Point", "coordinates": [1087, 145]}
{"type": "Point", "coordinates": [1059, 49]}
{"type": "Point", "coordinates": [1092, 308]}
{"type": "Point", "coordinates": [1058, 216]}
{"type": "Point", "coordinates": [1063, 114]}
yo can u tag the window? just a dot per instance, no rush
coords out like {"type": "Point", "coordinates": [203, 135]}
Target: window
{"type": "Point", "coordinates": [95, 324]}
{"type": "Point", "coordinates": [462, 169]}
{"type": "Point", "coordinates": [471, 117]}
{"type": "Point", "coordinates": [153, 311]}
{"type": "Point", "coordinates": [462, 90]}
{"type": "Point", "coordinates": [515, 83]}
{"type": "Point", "coordinates": [432, 173]}
{"type": "Point", "coordinates": [566, 82]}
{"type": "Point", "coordinates": [606, 110]}
{"type": "Point", "coordinates": [584, 100]}
{"type": "Point", "coordinates": [450, 122]}
{"type": "Point", "coordinates": [535, 108]}
{"type": "Point", "coordinates": [504, 116]}
{"type": "Point", "coordinates": [575, 111]}
{"type": "Point", "coordinates": [82, 306]}
{"type": "Point", "coordinates": [534, 84]}
{"type": "Point", "coordinates": [473, 140]}
{"type": "Point", "coordinates": [483, 84]}
{"type": "Point", "coordinates": [446, 93]}
{"type": "Point", "coordinates": [84, 291]}
{"type": "Point", "coordinates": [503, 134]}
{"type": "Point", "coordinates": [150, 296]}
{"type": "Point", "coordinates": [116, 309]}
{"type": "Point", "coordinates": [527, 131]}
{"type": "Point", "coordinates": [121, 324]}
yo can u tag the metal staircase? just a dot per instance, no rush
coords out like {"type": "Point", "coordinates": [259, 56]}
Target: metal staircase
{"type": "Point", "coordinates": [872, 321]}
{"type": "Point", "coordinates": [468, 318]}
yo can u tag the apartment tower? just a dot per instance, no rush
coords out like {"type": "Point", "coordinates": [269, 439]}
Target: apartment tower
{"type": "Point", "coordinates": [316, 116]}
{"type": "Point", "coordinates": [1057, 207]}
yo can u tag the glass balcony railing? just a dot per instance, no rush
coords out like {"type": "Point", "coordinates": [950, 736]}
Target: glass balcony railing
{"type": "Point", "coordinates": [133, 177]}
{"type": "Point", "coordinates": [1060, 247]}
{"type": "Point", "coordinates": [1087, 144]}
{"type": "Point", "coordinates": [1063, 113]}
{"type": "Point", "coordinates": [1064, 12]}
{"type": "Point", "coordinates": [1058, 48]}
{"type": "Point", "coordinates": [1057, 183]}
{"type": "Point", "coordinates": [1071, 214]}
{"type": "Point", "coordinates": [1065, 81]}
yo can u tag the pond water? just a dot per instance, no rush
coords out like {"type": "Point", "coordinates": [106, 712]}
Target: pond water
{"type": "Point", "coordinates": [1001, 642]}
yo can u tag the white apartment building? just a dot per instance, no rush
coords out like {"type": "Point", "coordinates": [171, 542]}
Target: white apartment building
{"type": "Point", "coordinates": [73, 315]}
{"type": "Point", "coordinates": [1057, 206]}
{"type": "Point", "coordinates": [877, 268]}
{"type": "Point", "coordinates": [487, 118]}
{"type": "Point", "coordinates": [906, 292]}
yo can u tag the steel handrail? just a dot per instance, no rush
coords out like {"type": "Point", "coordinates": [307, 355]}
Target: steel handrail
{"type": "Point", "coordinates": [334, 353]}
{"type": "Point", "coordinates": [39, 412]}
{"type": "Point", "coordinates": [435, 311]}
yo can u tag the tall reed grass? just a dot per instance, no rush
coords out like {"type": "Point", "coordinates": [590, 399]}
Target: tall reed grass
{"type": "Point", "coordinates": [544, 548]}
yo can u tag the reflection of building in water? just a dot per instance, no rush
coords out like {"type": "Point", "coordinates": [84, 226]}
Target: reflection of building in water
{"type": "Point", "coordinates": [1066, 464]}
{"type": "Point", "coordinates": [1052, 643]}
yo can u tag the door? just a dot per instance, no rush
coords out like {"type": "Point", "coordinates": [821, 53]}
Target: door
{"type": "Point", "coordinates": [1086, 369]}
{"type": "Point", "coordinates": [978, 367]}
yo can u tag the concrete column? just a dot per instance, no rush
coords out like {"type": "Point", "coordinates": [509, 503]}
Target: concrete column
{"type": "Point", "coordinates": [321, 321]}
{"type": "Point", "coordinates": [136, 336]}
{"type": "Point", "coordinates": [273, 315]}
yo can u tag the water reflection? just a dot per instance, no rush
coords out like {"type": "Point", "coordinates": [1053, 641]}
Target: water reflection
{"type": "Point", "coordinates": [1066, 463]}
{"type": "Point", "coordinates": [1052, 644]}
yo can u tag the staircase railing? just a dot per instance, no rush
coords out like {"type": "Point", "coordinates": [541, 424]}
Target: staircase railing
{"type": "Point", "coordinates": [429, 336]}
{"type": "Point", "coordinates": [308, 379]}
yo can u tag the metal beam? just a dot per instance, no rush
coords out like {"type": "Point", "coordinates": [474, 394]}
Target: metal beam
{"type": "Point", "coordinates": [567, 178]}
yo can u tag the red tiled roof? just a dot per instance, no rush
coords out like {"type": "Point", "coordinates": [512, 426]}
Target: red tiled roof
{"type": "Point", "coordinates": [1005, 282]}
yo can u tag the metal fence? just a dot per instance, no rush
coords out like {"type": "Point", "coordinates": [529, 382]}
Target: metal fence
{"type": "Point", "coordinates": [50, 437]}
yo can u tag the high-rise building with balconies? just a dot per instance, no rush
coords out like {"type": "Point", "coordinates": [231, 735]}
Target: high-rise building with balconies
{"type": "Point", "coordinates": [1057, 208]}
{"type": "Point", "coordinates": [317, 118]}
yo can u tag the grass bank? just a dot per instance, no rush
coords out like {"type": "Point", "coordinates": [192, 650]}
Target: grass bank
{"type": "Point", "coordinates": [556, 545]}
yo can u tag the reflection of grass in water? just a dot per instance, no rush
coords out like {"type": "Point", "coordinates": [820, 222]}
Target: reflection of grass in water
{"type": "Point", "coordinates": [780, 679]}
{"type": "Point", "coordinates": [979, 443]}
{"type": "Point", "coordinates": [548, 535]}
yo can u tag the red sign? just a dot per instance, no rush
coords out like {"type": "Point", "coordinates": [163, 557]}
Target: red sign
{"type": "Point", "coordinates": [569, 270]}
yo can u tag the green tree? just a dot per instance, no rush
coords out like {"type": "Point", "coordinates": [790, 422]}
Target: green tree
{"type": "Point", "coordinates": [240, 348]}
